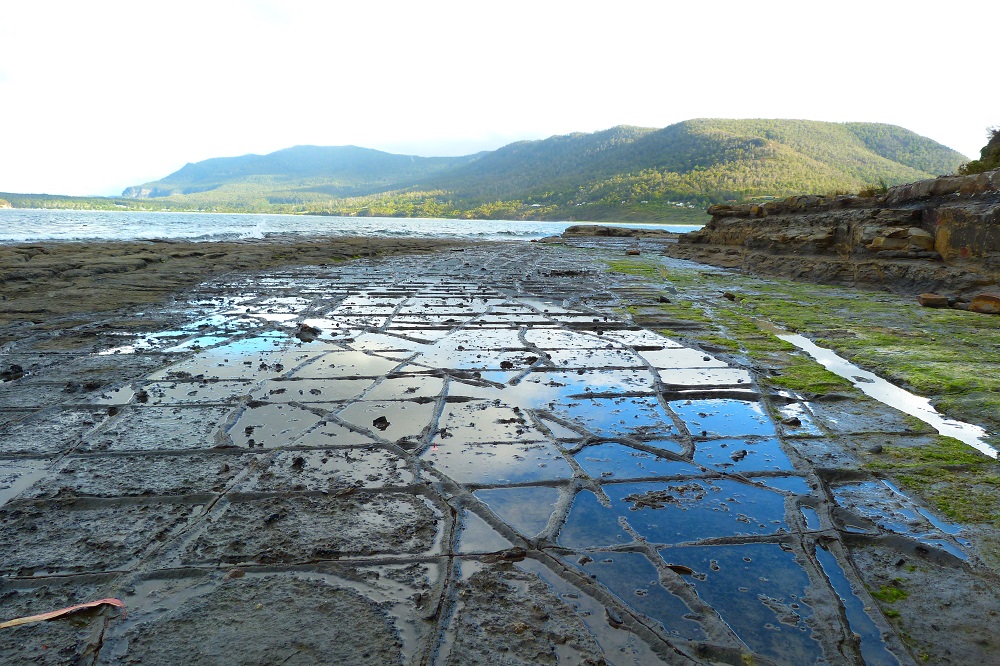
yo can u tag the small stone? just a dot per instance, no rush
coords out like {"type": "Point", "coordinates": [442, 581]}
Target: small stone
{"type": "Point", "coordinates": [875, 449]}
{"type": "Point", "coordinates": [792, 421]}
{"type": "Point", "coordinates": [381, 423]}
{"type": "Point", "coordinates": [307, 333]}
{"type": "Point", "coordinates": [632, 252]}
{"type": "Point", "coordinates": [929, 300]}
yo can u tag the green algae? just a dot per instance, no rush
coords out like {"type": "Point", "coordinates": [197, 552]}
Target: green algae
{"type": "Point", "coordinates": [951, 356]}
{"type": "Point", "coordinates": [959, 481]}
{"type": "Point", "coordinates": [890, 594]}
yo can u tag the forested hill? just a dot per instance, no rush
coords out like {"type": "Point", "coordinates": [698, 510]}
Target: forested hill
{"type": "Point", "coordinates": [337, 170]}
{"type": "Point", "coordinates": [623, 172]}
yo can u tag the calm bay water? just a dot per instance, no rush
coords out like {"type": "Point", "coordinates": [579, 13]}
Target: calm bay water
{"type": "Point", "coordinates": [28, 225]}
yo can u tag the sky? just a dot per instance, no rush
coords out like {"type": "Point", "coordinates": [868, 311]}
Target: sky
{"type": "Point", "coordinates": [96, 96]}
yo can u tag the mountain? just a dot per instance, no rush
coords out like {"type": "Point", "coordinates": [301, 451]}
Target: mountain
{"type": "Point", "coordinates": [623, 172]}
{"type": "Point", "coordinates": [334, 170]}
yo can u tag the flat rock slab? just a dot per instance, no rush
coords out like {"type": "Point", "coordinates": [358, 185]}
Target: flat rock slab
{"type": "Point", "coordinates": [471, 456]}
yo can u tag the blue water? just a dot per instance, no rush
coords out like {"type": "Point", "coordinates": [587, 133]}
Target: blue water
{"type": "Point", "coordinates": [28, 226]}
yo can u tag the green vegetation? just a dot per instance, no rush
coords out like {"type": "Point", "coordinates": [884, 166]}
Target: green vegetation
{"type": "Point", "coordinates": [949, 355]}
{"type": "Point", "coordinates": [989, 156]}
{"type": "Point", "coordinates": [890, 594]}
{"type": "Point", "coordinates": [623, 173]}
{"type": "Point", "coordinates": [961, 482]}
{"type": "Point", "coordinates": [62, 202]}
{"type": "Point", "coordinates": [722, 324]}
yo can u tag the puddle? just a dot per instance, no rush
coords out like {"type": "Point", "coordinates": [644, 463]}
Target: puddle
{"type": "Point", "coordinates": [723, 418]}
{"type": "Point", "coordinates": [705, 377]}
{"type": "Point", "coordinates": [886, 506]}
{"type": "Point", "coordinates": [391, 420]}
{"type": "Point", "coordinates": [669, 359]}
{"type": "Point", "coordinates": [18, 476]}
{"type": "Point", "coordinates": [617, 461]}
{"type": "Point", "coordinates": [636, 581]}
{"type": "Point", "coordinates": [311, 390]}
{"type": "Point", "coordinates": [615, 417]}
{"type": "Point", "coordinates": [196, 344]}
{"type": "Point", "coordinates": [479, 422]}
{"type": "Point", "coordinates": [873, 648]}
{"type": "Point", "coordinates": [790, 484]}
{"type": "Point", "coordinates": [691, 510]}
{"type": "Point", "coordinates": [759, 591]}
{"type": "Point", "coordinates": [874, 386]}
{"type": "Point", "coordinates": [172, 393]}
{"type": "Point", "coordinates": [741, 455]}
{"type": "Point", "coordinates": [527, 510]}
{"type": "Point", "coordinates": [271, 426]}
{"type": "Point", "coordinates": [626, 647]}
{"type": "Point", "coordinates": [590, 524]}
{"type": "Point", "coordinates": [797, 420]}
{"type": "Point", "coordinates": [812, 518]}
{"type": "Point", "coordinates": [406, 388]}
{"type": "Point", "coordinates": [477, 536]}
{"type": "Point", "coordinates": [346, 364]}
{"type": "Point", "coordinates": [502, 463]}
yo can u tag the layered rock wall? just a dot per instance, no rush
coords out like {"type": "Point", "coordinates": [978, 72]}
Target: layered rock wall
{"type": "Point", "coordinates": [934, 235]}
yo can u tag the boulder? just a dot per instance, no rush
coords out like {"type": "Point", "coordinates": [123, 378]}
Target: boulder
{"type": "Point", "coordinates": [985, 304]}
{"type": "Point", "coordinates": [933, 300]}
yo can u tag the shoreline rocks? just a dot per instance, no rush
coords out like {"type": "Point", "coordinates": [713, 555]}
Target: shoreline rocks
{"type": "Point", "coordinates": [940, 235]}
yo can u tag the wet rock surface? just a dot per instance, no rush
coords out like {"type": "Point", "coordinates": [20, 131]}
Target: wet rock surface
{"type": "Point", "coordinates": [462, 457]}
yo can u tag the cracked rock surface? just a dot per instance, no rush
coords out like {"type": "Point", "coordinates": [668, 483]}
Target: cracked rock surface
{"type": "Point", "coordinates": [464, 457]}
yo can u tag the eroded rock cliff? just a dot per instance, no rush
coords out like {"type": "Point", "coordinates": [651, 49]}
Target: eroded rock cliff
{"type": "Point", "coordinates": [940, 235]}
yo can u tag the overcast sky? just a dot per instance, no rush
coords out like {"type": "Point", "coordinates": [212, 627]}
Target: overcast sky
{"type": "Point", "coordinates": [96, 96]}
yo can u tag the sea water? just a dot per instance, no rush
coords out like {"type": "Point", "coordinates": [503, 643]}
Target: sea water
{"type": "Point", "coordinates": [19, 225]}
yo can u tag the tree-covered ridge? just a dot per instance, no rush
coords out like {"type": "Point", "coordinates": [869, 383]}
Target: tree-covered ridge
{"type": "Point", "coordinates": [625, 172]}
{"type": "Point", "coordinates": [989, 156]}
{"type": "Point", "coordinates": [329, 170]}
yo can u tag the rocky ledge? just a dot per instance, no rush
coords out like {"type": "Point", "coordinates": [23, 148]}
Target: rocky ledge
{"type": "Point", "coordinates": [616, 232]}
{"type": "Point", "coordinates": [940, 236]}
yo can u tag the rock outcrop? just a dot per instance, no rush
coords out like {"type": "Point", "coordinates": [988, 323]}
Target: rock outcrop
{"type": "Point", "coordinates": [615, 232]}
{"type": "Point", "coordinates": [940, 235]}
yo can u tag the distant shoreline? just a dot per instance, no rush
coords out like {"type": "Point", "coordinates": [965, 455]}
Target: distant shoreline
{"type": "Point", "coordinates": [40, 282]}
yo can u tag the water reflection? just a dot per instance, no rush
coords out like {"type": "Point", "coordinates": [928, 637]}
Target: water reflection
{"type": "Point", "coordinates": [873, 648]}
{"type": "Point", "coordinates": [525, 509]}
{"type": "Point", "coordinates": [759, 591]}
{"type": "Point", "coordinates": [633, 579]}
{"type": "Point", "coordinates": [616, 461]}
